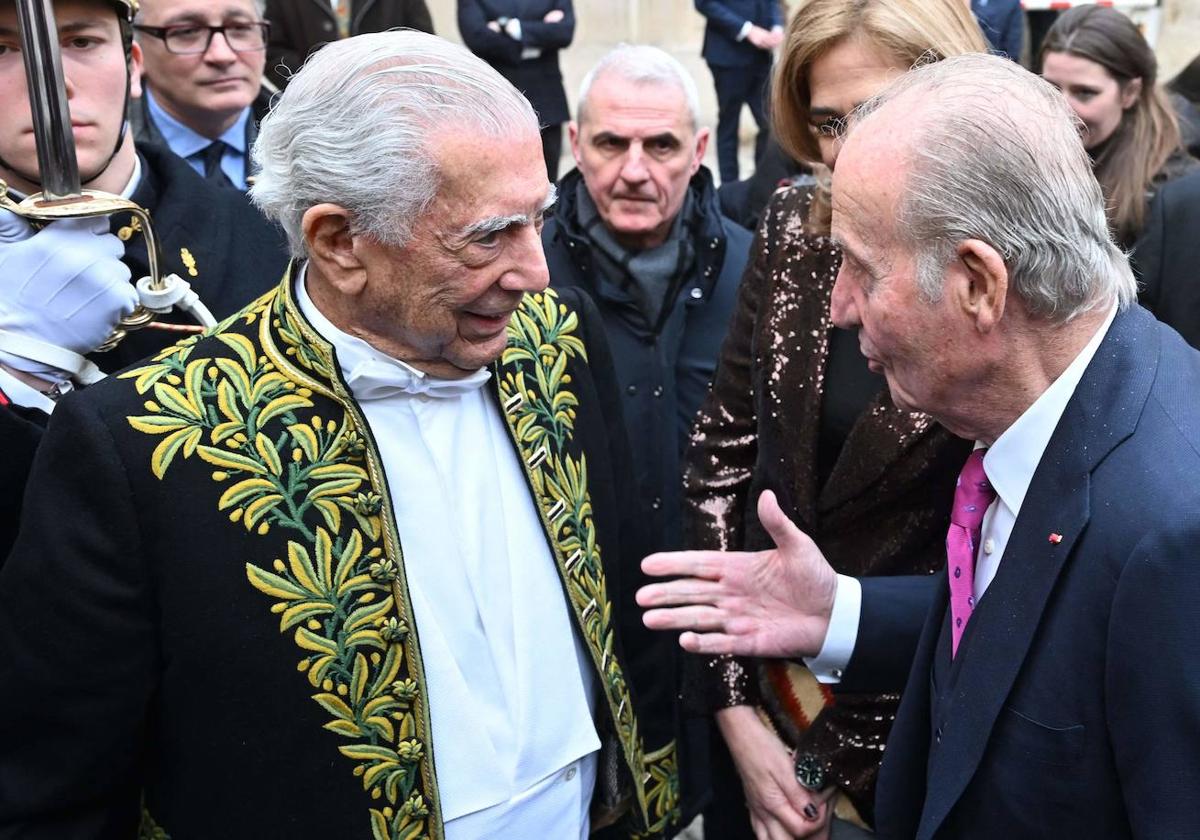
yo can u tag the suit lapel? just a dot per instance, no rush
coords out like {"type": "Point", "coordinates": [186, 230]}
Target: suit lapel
{"type": "Point", "coordinates": [1103, 412]}
{"type": "Point", "coordinates": [325, 8]}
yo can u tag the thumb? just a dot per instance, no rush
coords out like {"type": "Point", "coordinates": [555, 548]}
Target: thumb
{"type": "Point", "coordinates": [787, 537]}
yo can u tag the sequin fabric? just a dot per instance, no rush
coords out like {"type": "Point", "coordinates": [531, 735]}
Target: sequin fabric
{"type": "Point", "coordinates": [883, 511]}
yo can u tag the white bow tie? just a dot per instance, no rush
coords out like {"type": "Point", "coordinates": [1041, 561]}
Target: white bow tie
{"type": "Point", "coordinates": [376, 378]}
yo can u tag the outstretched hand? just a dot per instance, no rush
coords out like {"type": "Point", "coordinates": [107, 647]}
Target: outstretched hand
{"type": "Point", "coordinates": [773, 603]}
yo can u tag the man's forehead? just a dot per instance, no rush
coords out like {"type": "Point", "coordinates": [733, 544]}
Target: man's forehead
{"type": "Point", "coordinates": [171, 10]}
{"type": "Point", "coordinates": [621, 106]}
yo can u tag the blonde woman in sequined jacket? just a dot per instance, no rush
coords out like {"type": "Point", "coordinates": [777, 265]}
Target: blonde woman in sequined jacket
{"type": "Point", "coordinates": [794, 409]}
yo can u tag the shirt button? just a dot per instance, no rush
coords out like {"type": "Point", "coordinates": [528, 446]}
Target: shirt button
{"type": "Point", "coordinates": [631, 390]}
{"type": "Point", "coordinates": [697, 293]}
{"type": "Point", "coordinates": [989, 545]}
{"type": "Point", "coordinates": [571, 774]}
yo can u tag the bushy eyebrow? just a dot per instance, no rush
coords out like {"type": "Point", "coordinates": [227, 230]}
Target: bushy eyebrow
{"type": "Point", "coordinates": [493, 224]}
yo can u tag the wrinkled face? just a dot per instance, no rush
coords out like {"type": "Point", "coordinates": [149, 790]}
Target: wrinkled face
{"type": "Point", "coordinates": [839, 80]}
{"type": "Point", "coordinates": [95, 70]}
{"type": "Point", "coordinates": [1098, 99]}
{"type": "Point", "coordinates": [442, 303]}
{"type": "Point", "coordinates": [216, 84]}
{"type": "Point", "coordinates": [909, 340]}
{"type": "Point", "coordinates": [637, 151]}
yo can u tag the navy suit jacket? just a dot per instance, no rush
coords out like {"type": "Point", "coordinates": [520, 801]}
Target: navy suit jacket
{"type": "Point", "coordinates": [1003, 24]}
{"type": "Point", "coordinates": [725, 20]}
{"type": "Point", "coordinates": [1073, 706]}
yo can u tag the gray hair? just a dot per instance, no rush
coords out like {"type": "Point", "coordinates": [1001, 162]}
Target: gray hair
{"type": "Point", "coordinates": [260, 6]}
{"type": "Point", "coordinates": [996, 156]}
{"type": "Point", "coordinates": [642, 65]}
{"type": "Point", "coordinates": [358, 125]}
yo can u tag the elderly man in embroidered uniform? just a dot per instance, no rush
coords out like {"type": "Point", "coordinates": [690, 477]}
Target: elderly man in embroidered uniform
{"type": "Point", "coordinates": [352, 569]}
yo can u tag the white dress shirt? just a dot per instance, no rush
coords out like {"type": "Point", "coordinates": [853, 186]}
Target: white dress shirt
{"type": "Point", "coordinates": [1009, 464]}
{"type": "Point", "coordinates": [511, 692]}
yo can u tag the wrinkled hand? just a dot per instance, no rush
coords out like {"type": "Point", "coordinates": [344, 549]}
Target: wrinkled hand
{"type": "Point", "coordinates": [780, 808]}
{"type": "Point", "coordinates": [554, 16]}
{"type": "Point", "coordinates": [772, 603]}
{"type": "Point", "coordinates": [64, 285]}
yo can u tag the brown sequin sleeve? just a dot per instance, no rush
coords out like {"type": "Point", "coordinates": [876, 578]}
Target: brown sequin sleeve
{"type": "Point", "coordinates": [718, 471]}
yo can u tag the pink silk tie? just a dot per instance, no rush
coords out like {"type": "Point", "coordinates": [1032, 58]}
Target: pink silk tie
{"type": "Point", "coordinates": [972, 497]}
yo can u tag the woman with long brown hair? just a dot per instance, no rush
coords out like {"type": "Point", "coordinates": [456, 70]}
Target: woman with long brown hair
{"type": "Point", "coordinates": [1108, 73]}
{"type": "Point", "coordinates": [795, 409]}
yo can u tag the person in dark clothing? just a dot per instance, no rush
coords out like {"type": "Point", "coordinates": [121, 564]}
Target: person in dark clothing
{"type": "Point", "coordinates": [1101, 62]}
{"type": "Point", "coordinates": [638, 226]}
{"type": "Point", "coordinates": [744, 201]}
{"type": "Point", "coordinates": [739, 36]}
{"type": "Point", "coordinates": [521, 39]}
{"type": "Point", "coordinates": [202, 89]}
{"type": "Point", "coordinates": [1003, 24]}
{"type": "Point", "coordinates": [300, 26]}
{"type": "Point", "coordinates": [1166, 257]}
{"type": "Point", "coordinates": [207, 235]}
{"type": "Point", "coordinates": [1184, 92]}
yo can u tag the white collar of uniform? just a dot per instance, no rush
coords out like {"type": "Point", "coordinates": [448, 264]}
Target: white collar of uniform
{"type": "Point", "coordinates": [371, 374]}
{"type": "Point", "coordinates": [1012, 460]}
{"type": "Point", "coordinates": [22, 394]}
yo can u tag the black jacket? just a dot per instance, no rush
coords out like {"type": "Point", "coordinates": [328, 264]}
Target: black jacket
{"type": "Point", "coordinates": [300, 26]}
{"type": "Point", "coordinates": [1168, 254]}
{"type": "Point", "coordinates": [664, 370]}
{"type": "Point", "coordinates": [233, 254]}
{"type": "Point", "coordinates": [540, 78]}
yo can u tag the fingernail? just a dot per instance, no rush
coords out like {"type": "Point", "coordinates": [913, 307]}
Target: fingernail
{"type": "Point", "coordinates": [810, 811]}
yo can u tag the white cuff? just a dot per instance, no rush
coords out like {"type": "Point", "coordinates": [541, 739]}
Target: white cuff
{"type": "Point", "coordinates": [829, 663]}
{"type": "Point", "coordinates": [746, 27]}
{"type": "Point", "coordinates": [23, 395]}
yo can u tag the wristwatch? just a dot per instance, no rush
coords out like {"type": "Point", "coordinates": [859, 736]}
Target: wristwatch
{"type": "Point", "coordinates": [811, 771]}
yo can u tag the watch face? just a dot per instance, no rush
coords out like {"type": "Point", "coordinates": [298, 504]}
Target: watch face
{"type": "Point", "coordinates": [810, 771]}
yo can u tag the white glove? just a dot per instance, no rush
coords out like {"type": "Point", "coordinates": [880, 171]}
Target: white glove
{"type": "Point", "coordinates": [64, 285]}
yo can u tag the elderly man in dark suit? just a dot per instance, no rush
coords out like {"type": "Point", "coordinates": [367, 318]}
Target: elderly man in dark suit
{"type": "Point", "coordinates": [300, 26]}
{"type": "Point", "coordinates": [738, 39]}
{"type": "Point", "coordinates": [1052, 687]}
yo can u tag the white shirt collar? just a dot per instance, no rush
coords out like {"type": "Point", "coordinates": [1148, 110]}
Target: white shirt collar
{"type": "Point", "coordinates": [1012, 460]}
{"type": "Point", "coordinates": [371, 374]}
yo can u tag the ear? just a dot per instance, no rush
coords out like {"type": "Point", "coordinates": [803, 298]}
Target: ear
{"type": "Point", "coordinates": [1130, 93]}
{"type": "Point", "coordinates": [573, 136]}
{"type": "Point", "coordinates": [331, 247]}
{"type": "Point", "coordinates": [136, 65]}
{"type": "Point", "coordinates": [980, 284]}
{"type": "Point", "coordinates": [701, 147]}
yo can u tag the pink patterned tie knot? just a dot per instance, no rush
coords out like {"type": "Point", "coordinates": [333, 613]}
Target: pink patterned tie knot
{"type": "Point", "coordinates": [972, 497]}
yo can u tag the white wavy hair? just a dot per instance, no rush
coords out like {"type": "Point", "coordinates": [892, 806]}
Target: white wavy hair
{"type": "Point", "coordinates": [358, 126]}
{"type": "Point", "coordinates": [996, 156]}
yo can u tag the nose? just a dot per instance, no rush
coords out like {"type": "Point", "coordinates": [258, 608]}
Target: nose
{"type": "Point", "coordinates": [633, 169]}
{"type": "Point", "coordinates": [842, 305]}
{"type": "Point", "coordinates": [529, 272]}
{"type": "Point", "coordinates": [219, 51]}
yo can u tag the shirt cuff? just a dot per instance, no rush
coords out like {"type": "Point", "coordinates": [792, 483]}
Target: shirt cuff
{"type": "Point", "coordinates": [829, 663]}
{"type": "Point", "coordinates": [746, 27]}
{"type": "Point", "coordinates": [21, 394]}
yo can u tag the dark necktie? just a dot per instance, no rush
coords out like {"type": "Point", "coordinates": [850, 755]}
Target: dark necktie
{"type": "Point", "coordinates": [212, 155]}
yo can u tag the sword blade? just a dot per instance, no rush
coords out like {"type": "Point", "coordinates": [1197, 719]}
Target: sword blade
{"type": "Point", "coordinates": [48, 100]}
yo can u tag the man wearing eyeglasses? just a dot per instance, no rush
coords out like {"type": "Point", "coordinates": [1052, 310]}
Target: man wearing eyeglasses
{"type": "Point", "coordinates": [203, 91]}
